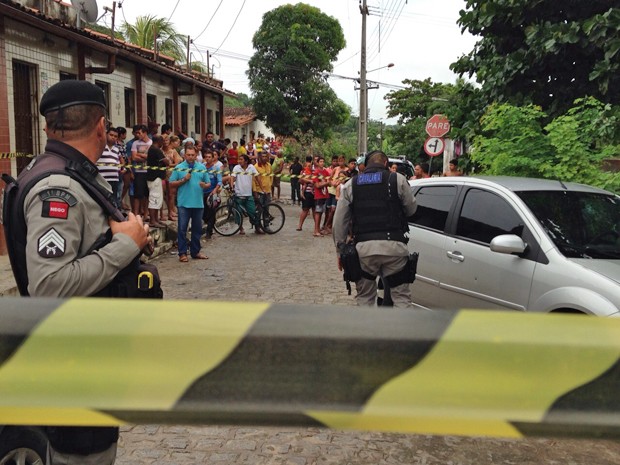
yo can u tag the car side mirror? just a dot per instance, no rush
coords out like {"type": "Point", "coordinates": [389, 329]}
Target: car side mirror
{"type": "Point", "coordinates": [509, 244]}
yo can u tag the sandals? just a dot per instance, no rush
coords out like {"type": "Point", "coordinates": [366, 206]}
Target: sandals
{"type": "Point", "coordinates": [200, 256]}
{"type": "Point", "coordinates": [298, 229]}
{"type": "Point", "coordinates": [183, 258]}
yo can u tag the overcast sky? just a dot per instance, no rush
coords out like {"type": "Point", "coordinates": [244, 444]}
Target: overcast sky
{"type": "Point", "coordinates": [420, 37]}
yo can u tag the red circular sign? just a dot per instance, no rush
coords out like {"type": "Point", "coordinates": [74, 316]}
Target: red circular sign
{"type": "Point", "coordinates": [437, 126]}
{"type": "Point", "coordinates": [433, 146]}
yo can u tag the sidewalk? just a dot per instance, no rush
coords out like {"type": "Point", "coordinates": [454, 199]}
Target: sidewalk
{"type": "Point", "coordinates": [7, 282]}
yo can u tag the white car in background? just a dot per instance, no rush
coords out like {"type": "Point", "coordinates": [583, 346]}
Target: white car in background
{"type": "Point", "coordinates": [516, 243]}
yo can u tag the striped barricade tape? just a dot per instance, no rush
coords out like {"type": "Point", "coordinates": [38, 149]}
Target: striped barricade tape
{"type": "Point", "coordinates": [111, 362]}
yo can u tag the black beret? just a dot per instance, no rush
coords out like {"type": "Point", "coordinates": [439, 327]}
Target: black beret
{"type": "Point", "coordinates": [69, 93]}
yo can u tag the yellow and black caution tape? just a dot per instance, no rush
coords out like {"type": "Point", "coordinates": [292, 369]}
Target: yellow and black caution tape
{"type": "Point", "coordinates": [15, 155]}
{"type": "Point", "coordinates": [220, 171]}
{"type": "Point", "coordinates": [107, 362]}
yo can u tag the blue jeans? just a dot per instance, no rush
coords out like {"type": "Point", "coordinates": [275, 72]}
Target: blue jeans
{"type": "Point", "coordinates": [185, 215]}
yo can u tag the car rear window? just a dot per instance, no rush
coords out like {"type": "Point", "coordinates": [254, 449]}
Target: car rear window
{"type": "Point", "coordinates": [434, 203]}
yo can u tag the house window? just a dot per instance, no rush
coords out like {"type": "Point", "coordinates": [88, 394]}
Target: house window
{"type": "Point", "coordinates": [151, 108]}
{"type": "Point", "coordinates": [64, 76]}
{"type": "Point", "coordinates": [169, 112]}
{"type": "Point", "coordinates": [217, 123]}
{"type": "Point", "coordinates": [184, 108]}
{"type": "Point", "coordinates": [105, 87]}
{"type": "Point", "coordinates": [210, 120]}
{"type": "Point", "coordinates": [130, 107]}
{"type": "Point", "coordinates": [197, 119]}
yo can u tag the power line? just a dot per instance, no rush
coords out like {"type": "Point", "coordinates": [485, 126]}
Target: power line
{"type": "Point", "coordinates": [233, 25]}
{"type": "Point", "coordinates": [175, 9]}
{"type": "Point", "coordinates": [212, 16]}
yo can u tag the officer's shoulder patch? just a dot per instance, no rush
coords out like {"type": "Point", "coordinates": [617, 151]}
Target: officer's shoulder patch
{"type": "Point", "coordinates": [58, 194]}
{"type": "Point", "coordinates": [55, 209]}
{"type": "Point", "coordinates": [369, 178]}
{"type": "Point", "coordinates": [51, 244]}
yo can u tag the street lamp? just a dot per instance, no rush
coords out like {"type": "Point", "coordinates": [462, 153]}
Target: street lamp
{"type": "Point", "coordinates": [362, 145]}
{"type": "Point", "coordinates": [390, 65]}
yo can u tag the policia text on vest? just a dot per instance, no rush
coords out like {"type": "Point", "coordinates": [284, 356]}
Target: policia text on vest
{"type": "Point", "coordinates": [372, 213]}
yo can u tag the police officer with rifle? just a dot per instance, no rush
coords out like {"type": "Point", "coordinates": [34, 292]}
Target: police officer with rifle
{"type": "Point", "coordinates": [370, 231]}
{"type": "Point", "coordinates": [67, 238]}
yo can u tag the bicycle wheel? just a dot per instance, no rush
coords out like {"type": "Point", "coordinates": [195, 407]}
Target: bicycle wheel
{"type": "Point", "coordinates": [272, 218]}
{"type": "Point", "coordinates": [228, 220]}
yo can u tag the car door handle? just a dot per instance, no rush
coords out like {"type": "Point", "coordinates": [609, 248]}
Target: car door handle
{"type": "Point", "coordinates": [455, 256]}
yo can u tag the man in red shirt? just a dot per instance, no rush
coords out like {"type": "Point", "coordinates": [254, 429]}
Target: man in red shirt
{"type": "Point", "coordinates": [233, 156]}
{"type": "Point", "coordinates": [320, 176]}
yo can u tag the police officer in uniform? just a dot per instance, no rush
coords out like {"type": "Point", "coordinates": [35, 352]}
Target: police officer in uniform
{"type": "Point", "coordinates": [373, 210]}
{"type": "Point", "coordinates": [72, 248]}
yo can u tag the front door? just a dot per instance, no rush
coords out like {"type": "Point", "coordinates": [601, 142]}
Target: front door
{"type": "Point", "coordinates": [25, 100]}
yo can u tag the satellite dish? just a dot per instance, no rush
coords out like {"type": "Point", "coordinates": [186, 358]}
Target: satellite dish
{"type": "Point", "coordinates": [87, 10]}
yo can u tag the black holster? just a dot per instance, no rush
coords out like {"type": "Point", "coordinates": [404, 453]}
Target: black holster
{"type": "Point", "coordinates": [350, 261]}
{"type": "Point", "coordinates": [407, 274]}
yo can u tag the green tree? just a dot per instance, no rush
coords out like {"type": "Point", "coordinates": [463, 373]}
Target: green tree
{"type": "Point", "coordinates": [573, 147]}
{"type": "Point", "coordinates": [460, 102]}
{"type": "Point", "coordinates": [241, 101]}
{"type": "Point", "coordinates": [294, 48]}
{"type": "Point", "coordinates": [142, 33]}
{"type": "Point", "coordinates": [544, 52]}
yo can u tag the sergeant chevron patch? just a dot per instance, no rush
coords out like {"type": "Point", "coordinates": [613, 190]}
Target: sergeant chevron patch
{"type": "Point", "coordinates": [51, 244]}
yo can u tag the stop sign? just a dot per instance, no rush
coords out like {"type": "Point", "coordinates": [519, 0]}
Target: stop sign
{"type": "Point", "coordinates": [437, 126]}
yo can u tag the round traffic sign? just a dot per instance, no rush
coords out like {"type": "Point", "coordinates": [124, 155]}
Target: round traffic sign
{"type": "Point", "coordinates": [433, 146]}
{"type": "Point", "coordinates": [437, 126]}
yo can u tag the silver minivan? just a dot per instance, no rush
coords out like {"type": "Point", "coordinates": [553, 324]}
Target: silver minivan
{"type": "Point", "coordinates": [516, 243]}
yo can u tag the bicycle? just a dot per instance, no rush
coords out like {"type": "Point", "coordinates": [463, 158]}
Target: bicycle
{"type": "Point", "coordinates": [229, 217]}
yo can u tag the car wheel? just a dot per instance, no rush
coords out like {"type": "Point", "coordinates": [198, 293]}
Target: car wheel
{"type": "Point", "coordinates": [22, 446]}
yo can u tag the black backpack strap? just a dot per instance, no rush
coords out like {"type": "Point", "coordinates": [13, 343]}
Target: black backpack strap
{"type": "Point", "coordinates": [10, 224]}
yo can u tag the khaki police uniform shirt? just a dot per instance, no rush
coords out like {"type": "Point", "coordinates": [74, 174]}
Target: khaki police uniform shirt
{"type": "Point", "coordinates": [344, 215]}
{"type": "Point", "coordinates": [64, 223]}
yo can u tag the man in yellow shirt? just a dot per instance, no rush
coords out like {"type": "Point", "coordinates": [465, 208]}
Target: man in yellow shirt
{"type": "Point", "coordinates": [261, 186]}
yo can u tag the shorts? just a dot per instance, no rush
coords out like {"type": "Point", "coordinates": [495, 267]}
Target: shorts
{"type": "Point", "coordinates": [320, 205]}
{"type": "Point", "coordinates": [308, 201]}
{"type": "Point", "coordinates": [156, 194]}
{"type": "Point", "coordinates": [276, 180]}
{"type": "Point", "coordinates": [331, 202]}
{"type": "Point", "coordinates": [140, 187]}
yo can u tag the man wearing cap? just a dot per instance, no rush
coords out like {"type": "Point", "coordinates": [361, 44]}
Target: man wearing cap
{"type": "Point", "coordinates": [71, 246]}
{"type": "Point", "coordinates": [375, 205]}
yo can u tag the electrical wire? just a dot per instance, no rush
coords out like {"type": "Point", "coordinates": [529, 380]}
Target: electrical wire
{"type": "Point", "coordinates": [212, 16]}
{"type": "Point", "coordinates": [175, 9]}
{"type": "Point", "coordinates": [231, 27]}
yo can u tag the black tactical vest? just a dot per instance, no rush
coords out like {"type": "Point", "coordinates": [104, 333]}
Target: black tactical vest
{"type": "Point", "coordinates": [377, 209]}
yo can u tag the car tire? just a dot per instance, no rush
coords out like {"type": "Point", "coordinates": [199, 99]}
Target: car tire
{"type": "Point", "coordinates": [22, 446]}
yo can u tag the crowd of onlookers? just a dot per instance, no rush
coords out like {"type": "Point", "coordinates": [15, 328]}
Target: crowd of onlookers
{"type": "Point", "coordinates": [171, 177]}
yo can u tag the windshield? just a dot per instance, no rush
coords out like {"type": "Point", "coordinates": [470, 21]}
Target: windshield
{"type": "Point", "coordinates": [582, 225]}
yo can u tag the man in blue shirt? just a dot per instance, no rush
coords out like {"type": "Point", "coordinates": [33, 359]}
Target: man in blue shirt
{"type": "Point", "coordinates": [211, 195]}
{"type": "Point", "coordinates": [190, 178]}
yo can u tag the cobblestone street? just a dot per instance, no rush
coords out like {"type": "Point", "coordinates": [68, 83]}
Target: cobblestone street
{"type": "Point", "coordinates": [295, 267]}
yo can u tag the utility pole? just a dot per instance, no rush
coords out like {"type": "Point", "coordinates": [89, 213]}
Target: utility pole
{"type": "Point", "coordinates": [189, 42]}
{"type": "Point", "coordinates": [363, 118]}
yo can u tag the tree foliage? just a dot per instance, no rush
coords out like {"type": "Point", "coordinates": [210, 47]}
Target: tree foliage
{"type": "Point", "coordinates": [572, 147]}
{"type": "Point", "coordinates": [142, 33]}
{"type": "Point", "coordinates": [544, 52]}
{"type": "Point", "coordinates": [294, 48]}
{"type": "Point", "coordinates": [414, 105]}
{"type": "Point", "coordinates": [241, 101]}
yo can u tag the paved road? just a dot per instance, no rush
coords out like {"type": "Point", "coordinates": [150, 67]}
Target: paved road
{"type": "Point", "coordinates": [296, 267]}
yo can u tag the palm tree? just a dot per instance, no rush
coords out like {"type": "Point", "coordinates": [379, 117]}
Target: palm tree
{"type": "Point", "coordinates": [169, 41]}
